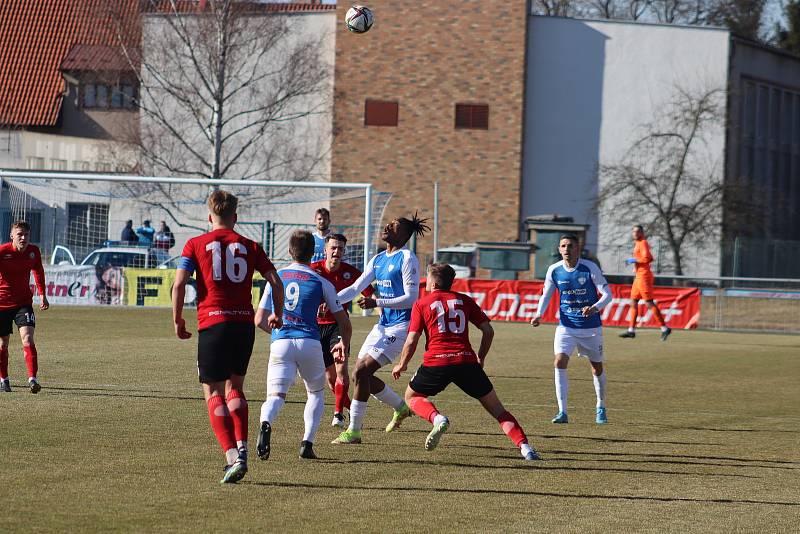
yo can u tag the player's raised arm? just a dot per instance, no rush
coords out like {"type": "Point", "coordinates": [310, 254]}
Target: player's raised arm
{"type": "Point", "coordinates": [410, 287]}
{"type": "Point", "coordinates": [349, 293]}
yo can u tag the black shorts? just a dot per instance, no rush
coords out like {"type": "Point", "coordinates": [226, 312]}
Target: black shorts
{"type": "Point", "coordinates": [329, 336]}
{"type": "Point", "coordinates": [470, 377]}
{"type": "Point", "coordinates": [224, 349]}
{"type": "Point", "coordinates": [22, 316]}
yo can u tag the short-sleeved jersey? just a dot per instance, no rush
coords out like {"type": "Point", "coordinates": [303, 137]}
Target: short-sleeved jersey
{"type": "Point", "coordinates": [303, 291]}
{"type": "Point", "coordinates": [643, 257]}
{"type": "Point", "coordinates": [15, 275]}
{"type": "Point", "coordinates": [577, 288]}
{"type": "Point", "coordinates": [341, 278]}
{"type": "Point", "coordinates": [390, 270]}
{"type": "Point", "coordinates": [319, 247]}
{"type": "Point", "coordinates": [445, 318]}
{"type": "Point", "coordinates": [225, 262]}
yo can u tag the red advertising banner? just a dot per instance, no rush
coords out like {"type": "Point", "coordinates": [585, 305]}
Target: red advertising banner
{"type": "Point", "coordinates": [514, 300]}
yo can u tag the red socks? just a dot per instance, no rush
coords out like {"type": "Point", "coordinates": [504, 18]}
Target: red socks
{"type": "Point", "coordinates": [342, 398]}
{"type": "Point", "coordinates": [423, 408]}
{"type": "Point", "coordinates": [31, 360]}
{"type": "Point", "coordinates": [3, 363]}
{"type": "Point", "coordinates": [511, 428]}
{"type": "Point", "coordinates": [221, 422]}
{"type": "Point", "coordinates": [237, 406]}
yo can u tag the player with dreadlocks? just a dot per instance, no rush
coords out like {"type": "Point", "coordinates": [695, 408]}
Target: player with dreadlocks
{"type": "Point", "coordinates": [396, 275]}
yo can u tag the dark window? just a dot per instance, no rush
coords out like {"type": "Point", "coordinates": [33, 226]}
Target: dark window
{"type": "Point", "coordinates": [380, 113]}
{"type": "Point", "coordinates": [34, 218]}
{"type": "Point", "coordinates": [89, 96]}
{"type": "Point", "coordinates": [472, 116]}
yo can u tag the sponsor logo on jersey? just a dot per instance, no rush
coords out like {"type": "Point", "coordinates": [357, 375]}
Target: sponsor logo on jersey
{"type": "Point", "coordinates": [7, 257]}
{"type": "Point", "coordinates": [562, 282]}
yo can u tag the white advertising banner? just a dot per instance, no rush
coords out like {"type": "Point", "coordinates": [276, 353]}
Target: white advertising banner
{"type": "Point", "coordinates": [81, 285]}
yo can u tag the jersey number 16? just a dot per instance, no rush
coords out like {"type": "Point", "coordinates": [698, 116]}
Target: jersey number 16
{"type": "Point", "coordinates": [235, 266]}
{"type": "Point", "coordinates": [456, 320]}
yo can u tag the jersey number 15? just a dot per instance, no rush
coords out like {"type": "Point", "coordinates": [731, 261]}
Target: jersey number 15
{"type": "Point", "coordinates": [456, 320]}
{"type": "Point", "coordinates": [235, 266]}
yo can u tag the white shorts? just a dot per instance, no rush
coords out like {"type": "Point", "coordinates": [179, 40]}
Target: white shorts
{"type": "Point", "coordinates": [290, 357]}
{"type": "Point", "coordinates": [384, 343]}
{"type": "Point", "coordinates": [589, 342]}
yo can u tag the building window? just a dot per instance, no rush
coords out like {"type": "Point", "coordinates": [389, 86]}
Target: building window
{"type": "Point", "coordinates": [58, 164]}
{"type": "Point", "coordinates": [34, 218]}
{"type": "Point", "coordinates": [89, 97]}
{"type": "Point", "coordinates": [78, 165]}
{"type": "Point", "coordinates": [121, 96]}
{"type": "Point", "coordinates": [475, 116]}
{"type": "Point", "coordinates": [380, 113]}
{"type": "Point", "coordinates": [35, 163]}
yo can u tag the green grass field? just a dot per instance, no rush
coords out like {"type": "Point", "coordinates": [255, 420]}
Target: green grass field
{"type": "Point", "coordinates": [703, 436]}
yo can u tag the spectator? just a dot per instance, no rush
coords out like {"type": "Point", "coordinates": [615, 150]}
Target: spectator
{"type": "Point", "coordinates": [128, 235]}
{"type": "Point", "coordinates": [146, 233]}
{"type": "Point", "coordinates": [164, 239]}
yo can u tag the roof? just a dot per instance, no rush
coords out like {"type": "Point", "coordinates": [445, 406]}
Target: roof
{"type": "Point", "coordinates": [102, 58]}
{"type": "Point", "coordinates": [35, 37]}
{"type": "Point", "coordinates": [188, 6]}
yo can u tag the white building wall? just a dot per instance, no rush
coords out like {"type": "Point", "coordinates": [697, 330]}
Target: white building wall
{"type": "Point", "coordinates": [591, 85]}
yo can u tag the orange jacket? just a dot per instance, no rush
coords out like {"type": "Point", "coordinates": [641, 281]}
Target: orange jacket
{"type": "Point", "coordinates": [643, 257]}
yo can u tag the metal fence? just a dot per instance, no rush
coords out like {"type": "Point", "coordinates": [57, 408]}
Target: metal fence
{"type": "Point", "coordinates": [276, 241]}
{"type": "Point", "coordinates": [744, 304]}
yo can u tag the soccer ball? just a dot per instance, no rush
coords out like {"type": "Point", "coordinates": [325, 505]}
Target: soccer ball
{"type": "Point", "coordinates": [359, 19]}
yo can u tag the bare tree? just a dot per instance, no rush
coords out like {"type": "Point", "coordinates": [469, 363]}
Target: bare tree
{"type": "Point", "coordinates": [670, 179]}
{"type": "Point", "coordinates": [227, 89]}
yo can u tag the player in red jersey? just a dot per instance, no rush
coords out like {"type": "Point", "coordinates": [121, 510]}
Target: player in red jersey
{"type": "Point", "coordinates": [444, 316]}
{"type": "Point", "coordinates": [225, 262]}
{"type": "Point", "coordinates": [341, 274]}
{"type": "Point", "coordinates": [17, 260]}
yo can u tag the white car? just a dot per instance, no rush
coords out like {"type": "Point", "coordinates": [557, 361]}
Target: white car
{"type": "Point", "coordinates": [117, 256]}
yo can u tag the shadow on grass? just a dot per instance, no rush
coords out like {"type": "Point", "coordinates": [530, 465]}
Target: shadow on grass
{"type": "Point", "coordinates": [747, 461]}
{"type": "Point", "coordinates": [481, 491]}
{"type": "Point", "coordinates": [528, 465]}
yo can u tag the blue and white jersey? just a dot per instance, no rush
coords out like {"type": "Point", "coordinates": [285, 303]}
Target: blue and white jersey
{"type": "Point", "coordinates": [304, 290]}
{"type": "Point", "coordinates": [578, 287]}
{"type": "Point", "coordinates": [319, 247]}
{"type": "Point", "coordinates": [396, 278]}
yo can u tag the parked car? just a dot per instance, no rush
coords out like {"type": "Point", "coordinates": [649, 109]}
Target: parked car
{"type": "Point", "coordinates": [115, 255]}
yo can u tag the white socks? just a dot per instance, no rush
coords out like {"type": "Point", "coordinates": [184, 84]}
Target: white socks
{"type": "Point", "coordinates": [271, 407]}
{"type": "Point", "coordinates": [358, 409]}
{"type": "Point", "coordinates": [439, 419]}
{"type": "Point", "coordinates": [312, 414]}
{"type": "Point", "coordinates": [388, 396]}
{"type": "Point", "coordinates": [231, 455]}
{"type": "Point", "coordinates": [631, 329]}
{"type": "Point", "coordinates": [562, 389]}
{"type": "Point", "coordinates": [600, 389]}
{"type": "Point", "coordinates": [525, 449]}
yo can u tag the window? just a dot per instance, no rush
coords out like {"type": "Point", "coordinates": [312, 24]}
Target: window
{"type": "Point", "coordinates": [89, 96]}
{"type": "Point", "coordinates": [34, 218]}
{"type": "Point", "coordinates": [58, 164]}
{"type": "Point", "coordinates": [36, 163]}
{"type": "Point", "coordinates": [380, 113]}
{"type": "Point", "coordinates": [475, 116]}
{"type": "Point", "coordinates": [79, 165]}
{"type": "Point", "coordinates": [102, 96]}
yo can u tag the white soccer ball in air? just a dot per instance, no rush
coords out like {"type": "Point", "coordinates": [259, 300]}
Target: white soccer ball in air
{"type": "Point", "coordinates": [359, 19]}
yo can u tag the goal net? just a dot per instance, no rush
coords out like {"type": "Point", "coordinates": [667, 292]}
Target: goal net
{"type": "Point", "coordinates": [73, 216]}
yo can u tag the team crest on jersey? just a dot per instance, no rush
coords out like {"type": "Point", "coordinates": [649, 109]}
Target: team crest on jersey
{"type": "Point", "coordinates": [391, 268]}
{"type": "Point", "coordinates": [346, 276]}
{"type": "Point", "coordinates": [582, 280]}
{"type": "Point", "coordinates": [32, 255]}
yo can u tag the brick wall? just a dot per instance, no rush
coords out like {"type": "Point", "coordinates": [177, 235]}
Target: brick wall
{"type": "Point", "coordinates": [429, 55]}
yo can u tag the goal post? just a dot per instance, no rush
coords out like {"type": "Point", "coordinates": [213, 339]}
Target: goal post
{"type": "Point", "coordinates": [84, 210]}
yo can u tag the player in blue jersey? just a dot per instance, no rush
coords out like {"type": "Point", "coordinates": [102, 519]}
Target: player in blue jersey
{"type": "Point", "coordinates": [322, 220]}
{"type": "Point", "coordinates": [578, 282]}
{"type": "Point", "coordinates": [396, 275]}
{"type": "Point", "coordinates": [296, 347]}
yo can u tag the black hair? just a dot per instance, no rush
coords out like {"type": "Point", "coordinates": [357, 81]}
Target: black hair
{"type": "Point", "coordinates": [323, 211]}
{"type": "Point", "coordinates": [571, 237]}
{"type": "Point", "coordinates": [415, 225]}
{"type": "Point", "coordinates": [337, 237]}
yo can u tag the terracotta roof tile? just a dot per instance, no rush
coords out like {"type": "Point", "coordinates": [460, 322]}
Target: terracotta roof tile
{"type": "Point", "coordinates": [35, 37]}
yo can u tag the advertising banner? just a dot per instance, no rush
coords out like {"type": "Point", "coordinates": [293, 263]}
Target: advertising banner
{"type": "Point", "coordinates": [515, 300]}
{"type": "Point", "coordinates": [81, 285]}
{"type": "Point", "coordinates": [153, 287]}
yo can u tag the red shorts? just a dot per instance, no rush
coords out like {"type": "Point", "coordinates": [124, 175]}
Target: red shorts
{"type": "Point", "coordinates": [642, 288]}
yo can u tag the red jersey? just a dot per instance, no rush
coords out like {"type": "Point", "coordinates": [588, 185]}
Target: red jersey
{"type": "Point", "coordinates": [445, 317]}
{"type": "Point", "coordinates": [225, 262]}
{"type": "Point", "coordinates": [341, 278]}
{"type": "Point", "coordinates": [15, 275]}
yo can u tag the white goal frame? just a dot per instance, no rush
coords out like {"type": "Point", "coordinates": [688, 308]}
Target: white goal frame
{"type": "Point", "coordinates": [368, 191]}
